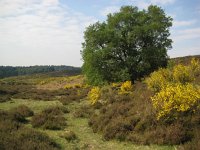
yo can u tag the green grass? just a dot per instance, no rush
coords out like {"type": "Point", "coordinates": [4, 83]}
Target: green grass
{"type": "Point", "coordinates": [86, 138]}
{"type": "Point", "coordinates": [35, 105]}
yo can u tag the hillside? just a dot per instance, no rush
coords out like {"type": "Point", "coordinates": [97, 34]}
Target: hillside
{"type": "Point", "coordinates": [184, 60]}
{"type": "Point", "coordinates": [58, 111]}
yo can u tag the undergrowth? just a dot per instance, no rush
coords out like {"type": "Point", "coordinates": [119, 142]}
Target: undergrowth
{"type": "Point", "coordinates": [15, 136]}
{"type": "Point", "coordinates": [51, 118]}
{"type": "Point", "coordinates": [163, 111]}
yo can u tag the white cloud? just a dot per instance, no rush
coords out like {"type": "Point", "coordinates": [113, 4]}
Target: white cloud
{"type": "Point", "coordinates": [109, 9]}
{"type": "Point", "coordinates": [50, 2]}
{"type": "Point", "coordinates": [187, 34]}
{"type": "Point", "coordinates": [40, 32]}
{"type": "Point", "coordinates": [177, 23]}
{"type": "Point", "coordinates": [184, 51]}
{"type": "Point", "coordinates": [142, 4]}
{"type": "Point", "coordinates": [162, 2]}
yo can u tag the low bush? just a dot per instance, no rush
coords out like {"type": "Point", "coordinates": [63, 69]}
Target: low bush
{"type": "Point", "coordinates": [23, 110]}
{"type": "Point", "coordinates": [5, 98]}
{"type": "Point", "coordinates": [13, 116]}
{"type": "Point", "coordinates": [69, 136]}
{"type": "Point", "coordinates": [94, 95]}
{"type": "Point", "coordinates": [14, 136]}
{"type": "Point", "coordinates": [126, 88]}
{"type": "Point", "coordinates": [51, 118]}
{"type": "Point", "coordinates": [83, 112]}
{"type": "Point", "coordinates": [158, 79]}
{"type": "Point", "coordinates": [183, 74]}
{"type": "Point", "coordinates": [26, 139]}
{"type": "Point", "coordinates": [192, 145]}
{"type": "Point", "coordinates": [73, 95]}
{"type": "Point", "coordinates": [176, 99]}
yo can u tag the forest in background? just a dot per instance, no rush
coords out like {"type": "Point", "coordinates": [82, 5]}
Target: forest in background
{"type": "Point", "coordinates": [9, 71]}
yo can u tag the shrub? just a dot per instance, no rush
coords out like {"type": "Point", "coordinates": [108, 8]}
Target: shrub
{"type": "Point", "coordinates": [176, 98]}
{"type": "Point", "coordinates": [158, 79]}
{"type": "Point", "coordinates": [26, 139]}
{"type": "Point", "coordinates": [83, 112]}
{"type": "Point", "coordinates": [23, 110]}
{"type": "Point", "coordinates": [69, 136]}
{"type": "Point", "coordinates": [51, 118]}
{"type": "Point", "coordinates": [176, 92]}
{"type": "Point", "coordinates": [94, 95]}
{"type": "Point", "coordinates": [4, 98]}
{"type": "Point", "coordinates": [194, 144]}
{"type": "Point", "coordinates": [14, 136]}
{"type": "Point", "coordinates": [182, 74]}
{"type": "Point", "coordinates": [195, 66]}
{"type": "Point", "coordinates": [175, 74]}
{"type": "Point", "coordinates": [126, 87]}
{"type": "Point", "coordinates": [7, 123]}
{"type": "Point", "coordinates": [173, 134]}
{"type": "Point", "coordinates": [73, 94]}
{"type": "Point", "coordinates": [116, 85]}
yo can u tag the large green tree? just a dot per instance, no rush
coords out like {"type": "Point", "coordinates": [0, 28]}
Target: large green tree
{"type": "Point", "coordinates": [128, 45]}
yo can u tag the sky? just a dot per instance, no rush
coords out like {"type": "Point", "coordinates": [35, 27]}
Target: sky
{"type": "Point", "coordinates": [50, 32]}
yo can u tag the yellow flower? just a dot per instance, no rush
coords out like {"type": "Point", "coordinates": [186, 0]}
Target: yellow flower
{"type": "Point", "coordinates": [158, 79]}
{"type": "Point", "coordinates": [126, 87]}
{"type": "Point", "coordinates": [176, 97]}
{"type": "Point", "coordinates": [94, 95]}
{"type": "Point", "coordinates": [183, 74]}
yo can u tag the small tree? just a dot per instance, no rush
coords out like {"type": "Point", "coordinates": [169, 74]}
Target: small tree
{"type": "Point", "coordinates": [129, 45]}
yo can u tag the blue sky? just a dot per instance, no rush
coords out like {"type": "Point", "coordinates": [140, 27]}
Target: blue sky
{"type": "Point", "coordinates": [50, 32]}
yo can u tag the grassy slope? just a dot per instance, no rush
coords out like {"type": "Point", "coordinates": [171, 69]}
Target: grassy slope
{"type": "Point", "coordinates": [86, 138]}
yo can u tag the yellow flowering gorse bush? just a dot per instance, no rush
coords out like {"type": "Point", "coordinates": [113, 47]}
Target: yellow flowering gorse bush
{"type": "Point", "coordinates": [116, 85]}
{"type": "Point", "coordinates": [126, 87]}
{"type": "Point", "coordinates": [174, 89]}
{"type": "Point", "coordinates": [94, 95]}
{"type": "Point", "coordinates": [195, 67]}
{"type": "Point", "coordinates": [71, 86]}
{"type": "Point", "coordinates": [176, 98]}
{"type": "Point", "coordinates": [183, 74]}
{"type": "Point", "coordinates": [158, 79]}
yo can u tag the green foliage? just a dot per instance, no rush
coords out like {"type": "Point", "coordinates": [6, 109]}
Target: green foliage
{"type": "Point", "coordinates": [129, 45]}
{"type": "Point", "coordinates": [50, 118]}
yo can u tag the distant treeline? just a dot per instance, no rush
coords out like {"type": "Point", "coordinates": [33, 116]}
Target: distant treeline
{"type": "Point", "coordinates": [8, 71]}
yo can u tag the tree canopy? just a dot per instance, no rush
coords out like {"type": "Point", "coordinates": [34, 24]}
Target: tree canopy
{"type": "Point", "coordinates": [128, 45]}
